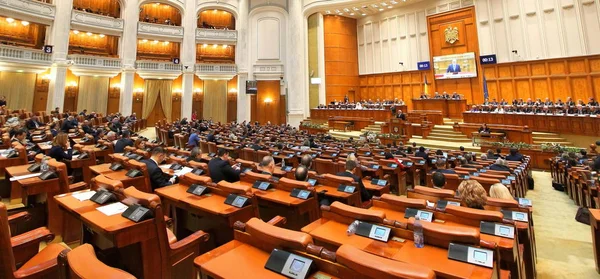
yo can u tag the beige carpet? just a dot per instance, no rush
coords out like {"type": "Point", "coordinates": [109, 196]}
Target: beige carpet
{"type": "Point", "coordinates": [564, 246]}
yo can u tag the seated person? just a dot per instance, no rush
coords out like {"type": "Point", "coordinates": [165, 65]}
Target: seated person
{"type": "Point", "coordinates": [499, 191]}
{"type": "Point", "coordinates": [267, 165]}
{"type": "Point", "coordinates": [256, 146]}
{"type": "Point", "coordinates": [465, 163]}
{"type": "Point", "coordinates": [421, 153]}
{"type": "Point", "coordinates": [61, 148]}
{"type": "Point", "coordinates": [122, 142]}
{"type": "Point", "coordinates": [423, 96]}
{"type": "Point", "coordinates": [440, 164]}
{"type": "Point", "coordinates": [514, 155]}
{"type": "Point", "coordinates": [194, 139]}
{"type": "Point", "coordinates": [34, 123]}
{"type": "Point", "coordinates": [306, 161]}
{"type": "Point", "coordinates": [350, 169]}
{"type": "Point", "coordinates": [87, 129]}
{"type": "Point", "coordinates": [472, 194]}
{"type": "Point", "coordinates": [500, 165]}
{"type": "Point", "coordinates": [158, 178]}
{"type": "Point", "coordinates": [455, 96]}
{"type": "Point", "coordinates": [68, 124]}
{"type": "Point", "coordinates": [139, 144]}
{"type": "Point", "coordinates": [220, 169]}
{"type": "Point", "coordinates": [195, 155]}
{"type": "Point", "coordinates": [484, 129]}
{"type": "Point", "coordinates": [439, 180]}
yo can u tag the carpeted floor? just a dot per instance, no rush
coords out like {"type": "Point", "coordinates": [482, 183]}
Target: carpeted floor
{"type": "Point", "coordinates": [564, 246]}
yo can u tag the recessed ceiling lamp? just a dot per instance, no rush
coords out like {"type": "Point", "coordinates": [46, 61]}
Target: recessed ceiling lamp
{"type": "Point", "coordinates": [166, 43]}
{"type": "Point", "coordinates": [393, 2]}
{"type": "Point", "coordinates": [144, 41]}
{"type": "Point", "coordinates": [102, 35]}
{"type": "Point", "coordinates": [10, 20]}
{"type": "Point", "coordinates": [364, 14]}
{"type": "Point", "coordinates": [384, 4]}
{"type": "Point", "coordinates": [346, 10]}
{"type": "Point", "coordinates": [75, 32]}
{"type": "Point", "coordinates": [224, 46]}
{"type": "Point", "coordinates": [380, 9]}
{"type": "Point", "coordinates": [89, 33]}
{"type": "Point", "coordinates": [355, 8]}
{"type": "Point", "coordinates": [328, 12]}
{"type": "Point", "coordinates": [155, 42]}
{"type": "Point", "coordinates": [25, 23]}
{"type": "Point", "coordinates": [215, 46]}
{"type": "Point", "coordinates": [351, 14]}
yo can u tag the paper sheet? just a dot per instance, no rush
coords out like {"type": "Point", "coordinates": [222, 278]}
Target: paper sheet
{"type": "Point", "coordinates": [183, 171]}
{"type": "Point", "coordinates": [113, 209]}
{"type": "Point", "coordinates": [20, 177]}
{"type": "Point", "coordinates": [84, 196]}
{"type": "Point", "coordinates": [166, 166]}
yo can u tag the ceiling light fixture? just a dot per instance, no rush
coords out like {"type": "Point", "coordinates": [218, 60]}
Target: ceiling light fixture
{"type": "Point", "coordinates": [380, 9]}
{"type": "Point", "coordinates": [224, 46]}
{"type": "Point", "coordinates": [144, 41]}
{"type": "Point", "coordinates": [351, 14]}
{"type": "Point", "coordinates": [328, 12]}
{"type": "Point", "coordinates": [102, 35]}
{"type": "Point", "coordinates": [364, 14]}
{"type": "Point", "coordinates": [75, 32]}
{"type": "Point", "coordinates": [10, 20]}
{"type": "Point", "coordinates": [25, 23]}
{"type": "Point", "coordinates": [215, 46]}
{"type": "Point", "coordinates": [204, 45]}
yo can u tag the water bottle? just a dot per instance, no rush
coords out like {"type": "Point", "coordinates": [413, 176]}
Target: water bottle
{"type": "Point", "coordinates": [352, 228]}
{"type": "Point", "coordinates": [44, 166]}
{"type": "Point", "coordinates": [418, 233]}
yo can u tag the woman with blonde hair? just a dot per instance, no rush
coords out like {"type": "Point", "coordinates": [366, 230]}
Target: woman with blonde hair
{"type": "Point", "coordinates": [472, 194]}
{"type": "Point", "coordinates": [61, 148]}
{"type": "Point", "coordinates": [139, 144]}
{"type": "Point", "coordinates": [499, 191]}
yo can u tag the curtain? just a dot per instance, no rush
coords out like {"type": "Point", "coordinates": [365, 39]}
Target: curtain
{"type": "Point", "coordinates": [18, 89]}
{"type": "Point", "coordinates": [93, 94]}
{"type": "Point", "coordinates": [215, 100]}
{"type": "Point", "coordinates": [166, 98]}
{"type": "Point", "coordinates": [153, 89]}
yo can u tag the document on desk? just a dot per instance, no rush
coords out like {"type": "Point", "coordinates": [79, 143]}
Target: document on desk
{"type": "Point", "coordinates": [20, 177]}
{"type": "Point", "coordinates": [183, 171]}
{"type": "Point", "coordinates": [84, 196]}
{"type": "Point", "coordinates": [166, 166]}
{"type": "Point", "coordinates": [113, 209]}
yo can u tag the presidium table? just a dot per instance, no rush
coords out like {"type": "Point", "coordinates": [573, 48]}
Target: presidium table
{"type": "Point", "coordinates": [553, 123]}
{"type": "Point", "coordinates": [449, 108]}
{"type": "Point", "coordinates": [381, 115]}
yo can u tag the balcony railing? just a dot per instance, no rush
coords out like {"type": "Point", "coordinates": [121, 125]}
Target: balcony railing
{"type": "Point", "coordinates": [157, 66]}
{"type": "Point", "coordinates": [25, 9]}
{"type": "Point", "coordinates": [216, 68]}
{"type": "Point", "coordinates": [95, 61]}
{"type": "Point", "coordinates": [24, 55]}
{"type": "Point", "coordinates": [97, 21]}
{"type": "Point", "coordinates": [160, 30]}
{"type": "Point", "coordinates": [216, 35]}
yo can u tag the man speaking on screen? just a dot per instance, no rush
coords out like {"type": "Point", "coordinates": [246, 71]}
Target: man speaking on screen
{"type": "Point", "coordinates": [453, 68]}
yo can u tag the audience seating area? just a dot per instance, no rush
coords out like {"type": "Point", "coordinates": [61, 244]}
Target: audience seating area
{"type": "Point", "coordinates": [185, 235]}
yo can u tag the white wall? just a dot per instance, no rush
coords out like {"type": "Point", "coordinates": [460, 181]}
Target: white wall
{"type": "Point", "coordinates": [267, 39]}
{"type": "Point", "coordinates": [538, 29]}
{"type": "Point", "coordinates": [398, 35]}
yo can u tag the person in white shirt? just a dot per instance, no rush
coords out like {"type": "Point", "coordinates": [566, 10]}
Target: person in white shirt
{"type": "Point", "coordinates": [499, 109]}
{"type": "Point", "coordinates": [358, 105]}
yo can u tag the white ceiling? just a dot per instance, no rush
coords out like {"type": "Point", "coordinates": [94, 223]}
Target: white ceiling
{"type": "Point", "coordinates": [358, 9]}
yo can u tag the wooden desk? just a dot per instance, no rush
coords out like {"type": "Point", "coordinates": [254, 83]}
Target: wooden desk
{"type": "Point", "coordinates": [595, 216]}
{"type": "Point", "coordinates": [449, 108]}
{"type": "Point", "coordinates": [45, 147]}
{"type": "Point", "coordinates": [354, 123]}
{"type": "Point", "coordinates": [106, 232]}
{"type": "Point", "coordinates": [513, 133]}
{"type": "Point", "coordinates": [562, 124]}
{"type": "Point", "coordinates": [208, 212]}
{"type": "Point", "coordinates": [248, 260]}
{"type": "Point", "coordinates": [376, 114]}
{"type": "Point", "coordinates": [333, 234]}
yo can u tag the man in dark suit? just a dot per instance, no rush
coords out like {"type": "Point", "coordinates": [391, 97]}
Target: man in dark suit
{"type": "Point", "coordinates": [350, 168]}
{"type": "Point", "coordinates": [122, 142]}
{"type": "Point", "coordinates": [256, 146]}
{"type": "Point", "coordinates": [33, 123]}
{"type": "Point", "coordinates": [87, 129]}
{"type": "Point", "coordinates": [421, 153]}
{"type": "Point", "coordinates": [453, 68]}
{"type": "Point", "coordinates": [267, 165]}
{"type": "Point", "coordinates": [440, 165]}
{"type": "Point", "coordinates": [158, 178]}
{"type": "Point", "coordinates": [514, 155]}
{"type": "Point", "coordinates": [220, 169]}
{"type": "Point", "coordinates": [68, 124]}
{"type": "Point", "coordinates": [500, 165]}
{"type": "Point", "coordinates": [439, 180]}
{"type": "Point", "coordinates": [211, 137]}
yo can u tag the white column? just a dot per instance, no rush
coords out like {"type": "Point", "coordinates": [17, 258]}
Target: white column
{"type": "Point", "coordinates": [128, 46]}
{"type": "Point", "coordinates": [187, 97]}
{"type": "Point", "coordinates": [296, 65]}
{"type": "Point", "coordinates": [59, 38]}
{"type": "Point", "coordinates": [321, 58]}
{"type": "Point", "coordinates": [128, 53]}
{"type": "Point", "coordinates": [126, 98]}
{"type": "Point", "coordinates": [188, 58]}
{"type": "Point", "coordinates": [241, 60]}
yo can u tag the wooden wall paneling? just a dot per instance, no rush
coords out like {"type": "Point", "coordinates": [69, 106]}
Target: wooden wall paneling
{"type": "Point", "coordinates": [138, 97]}
{"type": "Point", "coordinates": [40, 94]}
{"type": "Point", "coordinates": [218, 19]}
{"type": "Point", "coordinates": [71, 92]}
{"type": "Point", "coordinates": [110, 7]}
{"type": "Point", "coordinates": [268, 89]}
{"type": "Point", "coordinates": [341, 55]}
{"type": "Point", "coordinates": [253, 105]}
{"type": "Point", "coordinates": [151, 50]}
{"type": "Point", "coordinates": [232, 95]}
{"type": "Point", "coordinates": [114, 94]}
{"type": "Point", "coordinates": [31, 36]}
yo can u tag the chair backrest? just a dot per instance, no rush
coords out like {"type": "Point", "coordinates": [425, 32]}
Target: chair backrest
{"type": "Point", "coordinates": [289, 184]}
{"type": "Point", "coordinates": [252, 177]}
{"type": "Point", "coordinates": [248, 154]}
{"type": "Point", "coordinates": [335, 181]}
{"type": "Point", "coordinates": [234, 188]}
{"type": "Point", "coordinates": [442, 235]}
{"type": "Point", "coordinates": [401, 203]}
{"type": "Point", "coordinates": [82, 263]}
{"type": "Point", "coordinates": [324, 166]}
{"type": "Point", "coordinates": [133, 164]}
{"type": "Point", "coordinates": [63, 177]}
{"type": "Point", "coordinates": [357, 213]}
{"type": "Point", "coordinates": [104, 182]}
{"type": "Point", "coordinates": [473, 217]}
{"type": "Point", "coordinates": [430, 194]}
{"type": "Point", "coordinates": [212, 147]}
{"type": "Point", "coordinates": [277, 236]}
{"type": "Point", "coordinates": [373, 266]}
{"type": "Point", "coordinates": [7, 262]}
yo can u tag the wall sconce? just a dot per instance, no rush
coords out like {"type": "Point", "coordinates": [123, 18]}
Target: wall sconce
{"type": "Point", "coordinates": [232, 91]}
{"type": "Point", "coordinates": [177, 95]}
{"type": "Point", "coordinates": [138, 94]}
{"type": "Point", "coordinates": [115, 90]}
{"type": "Point", "coordinates": [71, 89]}
{"type": "Point", "coordinates": [268, 101]}
{"type": "Point", "coordinates": [45, 78]}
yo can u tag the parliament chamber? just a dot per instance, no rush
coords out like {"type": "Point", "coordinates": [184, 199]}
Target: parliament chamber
{"type": "Point", "coordinates": [299, 139]}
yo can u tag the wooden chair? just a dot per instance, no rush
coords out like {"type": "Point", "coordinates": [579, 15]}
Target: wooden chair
{"type": "Point", "coordinates": [175, 257]}
{"type": "Point", "coordinates": [20, 257]}
{"type": "Point", "coordinates": [133, 164]}
{"type": "Point", "coordinates": [431, 194]}
{"type": "Point", "coordinates": [81, 263]}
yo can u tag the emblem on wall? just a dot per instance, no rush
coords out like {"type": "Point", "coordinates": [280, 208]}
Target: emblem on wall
{"type": "Point", "coordinates": [451, 34]}
{"type": "Point", "coordinates": [396, 130]}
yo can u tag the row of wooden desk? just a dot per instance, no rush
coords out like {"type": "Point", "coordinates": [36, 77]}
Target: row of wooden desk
{"type": "Point", "coordinates": [449, 108]}
{"type": "Point", "coordinates": [377, 115]}
{"type": "Point", "coordinates": [562, 124]}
